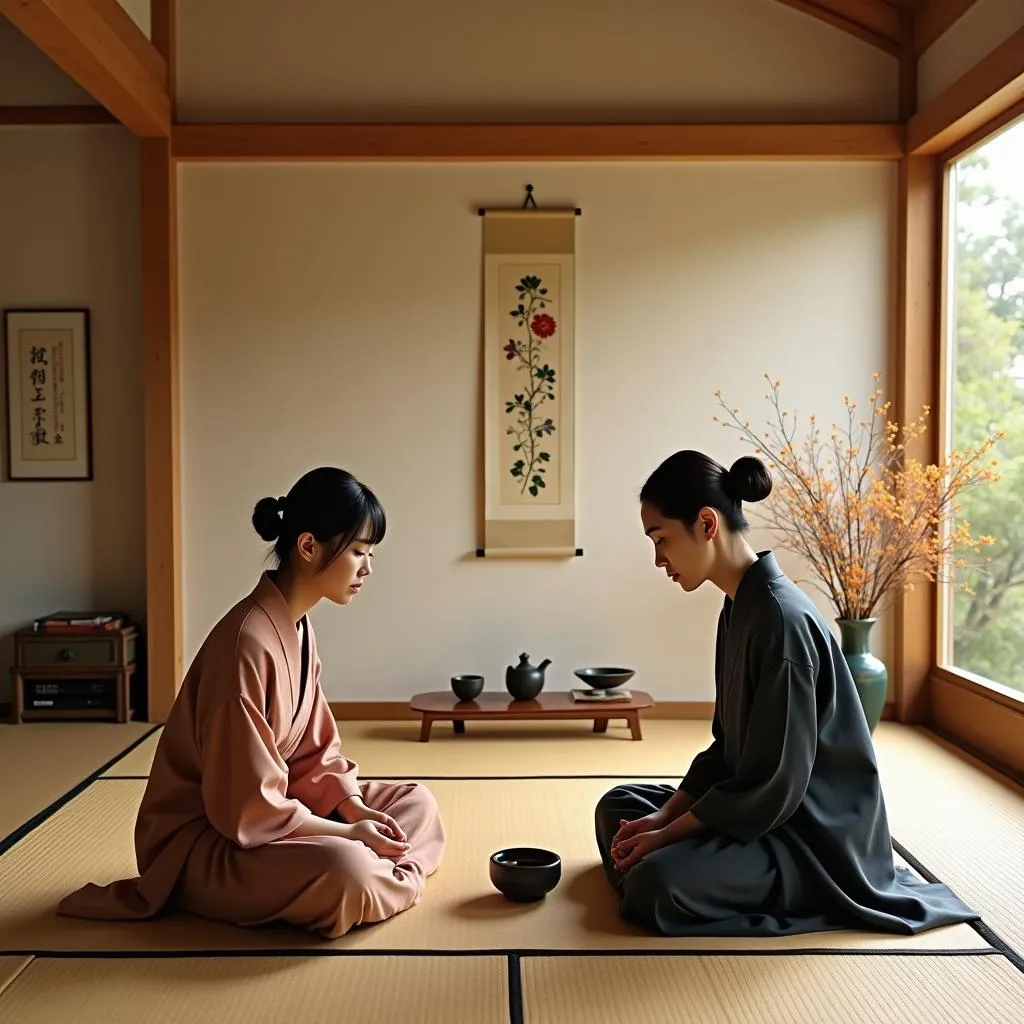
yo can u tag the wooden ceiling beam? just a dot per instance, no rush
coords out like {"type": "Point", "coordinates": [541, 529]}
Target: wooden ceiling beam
{"type": "Point", "coordinates": [96, 43]}
{"type": "Point", "coordinates": [934, 18]}
{"type": "Point", "coordinates": [876, 16]}
{"type": "Point", "coordinates": [872, 21]}
{"type": "Point", "coordinates": [994, 85]}
{"type": "Point", "coordinates": [536, 142]}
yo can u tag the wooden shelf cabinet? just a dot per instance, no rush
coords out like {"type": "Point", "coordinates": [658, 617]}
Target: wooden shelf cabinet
{"type": "Point", "coordinates": [95, 670]}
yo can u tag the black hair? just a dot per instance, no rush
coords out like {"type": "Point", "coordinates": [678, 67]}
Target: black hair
{"type": "Point", "coordinates": [327, 502]}
{"type": "Point", "coordinates": [688, 481]}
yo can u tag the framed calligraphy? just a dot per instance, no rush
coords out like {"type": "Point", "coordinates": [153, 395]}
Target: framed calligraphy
{"type": "Point", "coordinates": [49, 415]}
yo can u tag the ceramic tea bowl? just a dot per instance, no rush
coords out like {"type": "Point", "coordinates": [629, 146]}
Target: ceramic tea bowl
{"type": "Point", "coordinates": [524, 874]}
{"type": "Point", "coordinates": [605, 678]}
{"type": "Point", "coordinates": [467, 687]}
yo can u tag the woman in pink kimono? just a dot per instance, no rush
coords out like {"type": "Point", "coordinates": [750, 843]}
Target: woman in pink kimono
{"type": "Point", "coordinates": [252, 813]}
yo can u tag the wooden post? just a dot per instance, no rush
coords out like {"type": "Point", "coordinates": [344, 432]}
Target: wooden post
{"type": "Point", "coordinates": [918, 351]}
{"type": "Point", "coordinates": [159, 196]}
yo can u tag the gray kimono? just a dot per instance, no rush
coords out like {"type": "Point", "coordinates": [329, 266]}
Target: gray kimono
{"type": "Point", "coordinates": [797, 838]}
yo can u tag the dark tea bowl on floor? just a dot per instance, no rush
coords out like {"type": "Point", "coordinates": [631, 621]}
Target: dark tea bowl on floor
{"type": "Point", "coordinates": [524, 874]}
{"type": "Point", "coordinates": [605, 678]}
{"type": "Point", "coordinates": [467, 687]}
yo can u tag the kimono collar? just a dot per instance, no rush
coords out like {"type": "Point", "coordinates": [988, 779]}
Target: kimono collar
{"type": "Point", "coordinates": [272, 601]}
{"type": "Point", "coordinates": [762, 572]}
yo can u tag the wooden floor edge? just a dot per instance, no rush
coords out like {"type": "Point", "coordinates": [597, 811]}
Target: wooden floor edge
{"type": "Point", "coordinates": [985, 728]}
{"type": "Point", "coordinates": [974, 757]}
{"type": "Point", "coordinates": [373, 141]}
{"type": "Point", "coordinates": [397, 710]}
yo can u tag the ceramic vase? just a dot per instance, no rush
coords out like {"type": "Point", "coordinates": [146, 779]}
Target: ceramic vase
{"type": "Point", "coordinates": [870, 675]}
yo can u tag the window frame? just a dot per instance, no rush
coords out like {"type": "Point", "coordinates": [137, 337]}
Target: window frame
{"type": "Point", "coordinates": [980, 715]}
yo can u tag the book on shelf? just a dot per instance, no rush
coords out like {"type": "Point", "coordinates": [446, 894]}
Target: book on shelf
{"type": "Point", "coordinates": [79, 622]}
{"type": "Point", "coordinates": [601, 696]}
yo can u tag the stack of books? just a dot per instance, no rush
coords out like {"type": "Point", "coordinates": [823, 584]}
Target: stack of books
{"type": "Point", "coordinates": [79, 622]}
{"type": "Point", "coordinates": [600, 696]}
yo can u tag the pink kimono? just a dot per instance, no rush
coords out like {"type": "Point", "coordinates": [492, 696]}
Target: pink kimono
{"type": "Point", "coordinates": [247, 754]}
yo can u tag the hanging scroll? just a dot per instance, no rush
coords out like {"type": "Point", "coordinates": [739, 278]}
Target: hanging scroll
{"type": "Point", "coordinates": [48, 400]}
{"type": "Point", "coordinates": [529, 373]}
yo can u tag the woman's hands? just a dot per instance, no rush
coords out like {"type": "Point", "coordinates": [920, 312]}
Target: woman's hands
{"type": "Point", "coordinates": [354, 820]}
{"type": "Point", "coordinates": [353, 809]}
{"type": "Point", "coordinates": [635, 839]}
{"type": "Point", "coordinates": [648, 823]}
{"type": "Point", "coordinates": [376, 829]}
{"type": "Point", "coordinates": [635, 847]}
{"type": "Point", "coordinates": [377, 837]}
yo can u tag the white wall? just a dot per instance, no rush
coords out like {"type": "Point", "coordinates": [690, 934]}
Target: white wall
{"type": "Point", "coordinates": [69, 210]}
{"type": "Point", "coordinates": [533, 60]}
{"type": "Point", "coordinates": [975, 35]}
{"type": "Point", "coordinates": [350, 296]}
{"type": "Point", "coordinates": [331, 314]}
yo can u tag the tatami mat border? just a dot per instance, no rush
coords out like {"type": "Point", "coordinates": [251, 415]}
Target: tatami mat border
{"type": "Point", "coordinates": [446, 778]}
{"type": "Point", "coordinates": [47, 812]}
{"type": "Point", "coordinates": [292, 952]}
{"type": "Point", "coordinates": [516, 1012]}
{"type": "Point", "coordinates": [983, 929]}
{"type": "Point", "coordinates": [6, 983]}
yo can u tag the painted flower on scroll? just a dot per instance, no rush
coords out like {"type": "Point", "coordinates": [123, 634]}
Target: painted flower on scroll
{"type": "Point", "coordinates": [529, 426]}
{"type": "Point", "coordinates": [543, 326]}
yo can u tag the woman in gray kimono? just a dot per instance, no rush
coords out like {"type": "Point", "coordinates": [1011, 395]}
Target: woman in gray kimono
{"type": "Point", "coordinates": [779, 826]}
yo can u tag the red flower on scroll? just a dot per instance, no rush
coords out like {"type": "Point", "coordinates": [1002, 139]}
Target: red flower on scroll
{"type": "Point", "coordinates": [529, 428]}
{"type": "Point", "coordinates": [543, 325]}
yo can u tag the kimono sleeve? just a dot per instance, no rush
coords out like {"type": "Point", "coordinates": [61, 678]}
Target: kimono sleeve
{"type": "Point", "coordinates": [708, 767]}
{"type": "Point", "coordinates": [774, 767]}
{"type": "Point", "coordinates": [320, 774]}
{"type": "Point", "coordinates": [245, 779]}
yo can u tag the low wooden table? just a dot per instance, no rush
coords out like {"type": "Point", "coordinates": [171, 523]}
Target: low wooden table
{"type": "Point", "coordinates": [499, 707]}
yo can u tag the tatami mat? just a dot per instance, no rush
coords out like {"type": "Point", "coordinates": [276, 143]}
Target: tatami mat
{"type": "Point", "coordinates": [962, 823]}
{"type": "Point", "coordinates": [91, 840]}
{"type": "Point", "coordinates": [772, 990]}
{"type": "Point", "coordinates": [315, 990]}
{"type": "Point", "coordinates": [10, 968]}
{"type": "Point", "coordinates": [139, 761]}
{"type": "Point", "coordinates": [393, 750]}
{"type": "Point", "coordinates": [40, 762]}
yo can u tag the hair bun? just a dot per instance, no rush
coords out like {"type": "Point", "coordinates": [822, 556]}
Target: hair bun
{"type": "Point", "coordinates": [748, 479]}
{"type": "Point", "coordinates": [266, 518]}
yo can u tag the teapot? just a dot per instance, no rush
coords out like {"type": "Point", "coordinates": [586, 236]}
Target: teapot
{"type": "Point", "coordinates": [524, 681]}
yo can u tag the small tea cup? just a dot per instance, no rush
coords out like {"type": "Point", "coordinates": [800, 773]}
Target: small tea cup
{"type": "Point", "coordinates": [468, 687]}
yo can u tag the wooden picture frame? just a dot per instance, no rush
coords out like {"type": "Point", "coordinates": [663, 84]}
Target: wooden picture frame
{"type": "Point", "coordinates": [49, 401]}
